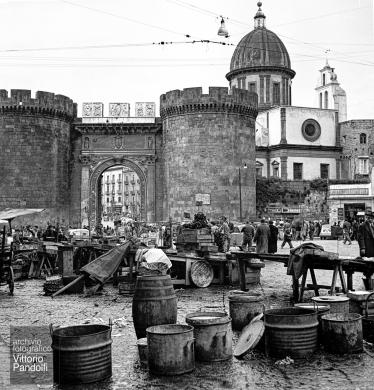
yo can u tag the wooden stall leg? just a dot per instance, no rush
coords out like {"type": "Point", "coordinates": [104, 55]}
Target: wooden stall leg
{"type": "Point", "coordinates": [303, 281]}
{"type": "Point", "coordinates": [314, 281]}
{"type": "Point", "coordinates": [241, 268]}
{"type": "Point", "coordinates": [295, 288]}
{"type": "Point", "coordinates": [342, 279]}
{"type": "Point", "coordinates": [229, 265]}
{"type": "Point", "coordinates": [349, 280]}
{"type": "Point", "coordinates": [333, 284]}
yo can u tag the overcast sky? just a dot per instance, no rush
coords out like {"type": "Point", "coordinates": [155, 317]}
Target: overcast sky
{"type": "Point", "coordinates": [109, 51]}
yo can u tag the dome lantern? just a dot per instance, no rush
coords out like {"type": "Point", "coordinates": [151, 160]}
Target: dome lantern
{"type": "Point", "coordinates": [259, 17]}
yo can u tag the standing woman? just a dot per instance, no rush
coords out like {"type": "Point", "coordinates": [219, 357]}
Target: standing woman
{"type": "Point", "coordinates": [273, 238]}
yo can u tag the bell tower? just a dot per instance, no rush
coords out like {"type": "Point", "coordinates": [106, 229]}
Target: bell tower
{"type": "Point", "coordinates": [329, 93]}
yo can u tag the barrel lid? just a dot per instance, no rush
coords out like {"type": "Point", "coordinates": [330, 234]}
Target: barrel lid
{"type": "Point", "coordinates": [207, 318]}
{"type": "Point", "coordinates": [313, 305]}
{"type": "Point", "coordinates": [201, 273]}
{"type": "Point", "coordinates": [330, 298]}
{"type": "Point", "coordinates": [249, 338]}
{"type": "Point", "coordinates": [246, 297]}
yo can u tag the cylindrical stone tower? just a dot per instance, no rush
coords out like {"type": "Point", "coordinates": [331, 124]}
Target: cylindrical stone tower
{"type": "Point", "coordinates": [206, 140]}
{"type": "Point", "coordinates": [35, 153]}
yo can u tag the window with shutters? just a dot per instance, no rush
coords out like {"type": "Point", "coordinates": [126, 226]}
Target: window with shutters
{"type": "Point", "coordinates": [362, 138]}
{"type": "Point", "coordinates": [324, 171]}
{"type": "Point", "coordinates": [297, 171]}
{"type": "Point", "coordinates": [276, 93]}
{"type": "Point", "coordinates": [363, 166]}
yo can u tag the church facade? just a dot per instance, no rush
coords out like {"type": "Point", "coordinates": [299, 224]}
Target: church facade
{"type": "Point", "coordinates": [292, 142]}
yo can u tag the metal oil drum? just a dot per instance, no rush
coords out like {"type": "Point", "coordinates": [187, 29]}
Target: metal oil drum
{"type": "Point", "coordinates": [82, 353]}
{"type": "Point", "coordinates": [368, 323]}
{"type": "Point", "coordinates": [342, 333]}
{"type": "Point", "coordinates": [213, 335]}
{"type": "Point", "coordinates": [170, 349]}
{"type": "Point", "coordinates": [291, 331]}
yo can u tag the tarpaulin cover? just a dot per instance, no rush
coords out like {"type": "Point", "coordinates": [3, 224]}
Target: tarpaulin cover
{"type": "Point", "coordinates": [13, 213]}
{"type": "Point", "coordinates": [105, 265]}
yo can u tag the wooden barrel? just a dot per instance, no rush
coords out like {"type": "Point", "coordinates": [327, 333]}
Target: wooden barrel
{"type": "Point", "coordinates": [82, 353]}
{"type": "Point", "coordinates": [213, 335]}
{"type": "Point", "coordinates": [342, 333]}
{"type": "Point", "coordinates": [170, 349]}
{"type": "Point", "coordinates": [154, 303]}
{"type": "Point", "coordinates": [291, 331]}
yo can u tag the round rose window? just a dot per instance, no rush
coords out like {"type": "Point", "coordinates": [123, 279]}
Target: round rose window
{"type": "Point", "coordinates": [311, 130]}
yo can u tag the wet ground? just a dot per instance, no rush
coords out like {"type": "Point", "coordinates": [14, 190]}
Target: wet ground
{"type": "Point", "coordinates": [29, 307]}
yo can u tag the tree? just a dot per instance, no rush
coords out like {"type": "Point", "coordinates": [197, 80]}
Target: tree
{"type": "Point", "coordinates": [268, 190]}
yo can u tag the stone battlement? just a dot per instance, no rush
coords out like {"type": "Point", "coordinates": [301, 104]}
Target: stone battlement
{"type": "Point", "coordinates": [219, 99]}
{"type": "Point", "coordinates": [44, 103]}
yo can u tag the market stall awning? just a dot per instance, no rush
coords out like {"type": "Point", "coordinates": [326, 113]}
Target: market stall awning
{"type": "Point", "coordinates": [9, 214]}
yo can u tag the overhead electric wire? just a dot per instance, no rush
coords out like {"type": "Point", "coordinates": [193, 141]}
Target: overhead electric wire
{"type": "Point", "coordinates": [124, 18]}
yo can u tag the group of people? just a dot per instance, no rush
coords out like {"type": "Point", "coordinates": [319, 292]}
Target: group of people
{"type": "Point", "coordinates": [265, 237]}
{"type": "Point", "coordinates": [32, 233]}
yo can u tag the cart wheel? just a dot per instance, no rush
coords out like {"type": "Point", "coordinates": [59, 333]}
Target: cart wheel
{"type": "Point", "coordinates": [11, 280]}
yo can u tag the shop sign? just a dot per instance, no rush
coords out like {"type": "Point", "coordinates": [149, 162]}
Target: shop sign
{"type": "Point", "coordinates": [203, 198]}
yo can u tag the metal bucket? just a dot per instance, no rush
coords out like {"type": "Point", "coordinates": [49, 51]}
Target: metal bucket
{"type": "Point", "coordinates": [368, 323]}
{"type": "Point", "coordinates": [154, 303]}
{"type": "Point", "coordinates": [170, 349]}
{"type": "Point", "coordinates": [143, 351]}
{"type": "Point", "coordinates": [213, 335]}
{"type": "Point", "coordinates": [82, 353]}
{"type": "Point", "coordinates": [342, 333]}
{"type": "Point", "coordinates": [291, 331]}
{"type": "Point", "coordinates": [321, 310]}
{"type": "Point", "coordinates": [243, 308]}
{"type": "Point", "coordinates": [337, 304]}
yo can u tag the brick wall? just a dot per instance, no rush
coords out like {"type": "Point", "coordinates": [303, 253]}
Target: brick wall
{"type": "Point", "coordinates": [350, 141]}
{"type": "Point", "coordinates": [206, 138]}
{"type": "Point", "coordinates": [35, 151]}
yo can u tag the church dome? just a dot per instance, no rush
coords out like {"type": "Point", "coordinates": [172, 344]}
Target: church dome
{"type": "Point", "coordinates": [260, 50]}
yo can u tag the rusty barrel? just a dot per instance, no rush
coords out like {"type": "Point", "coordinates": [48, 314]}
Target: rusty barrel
{"type": "Point", "coordinates": [82, 353]}
{"type": "Point", "coordinates": [368, 322]}
{"type": "Point", "coordinates": [154, 303]}
{"type": "Point", "coordinates": [243, 308]}
{"type": "Point", "coordinates": [342, 333]}
{"type": "Point", "coordinates": [213, 335]}
{"type": "Point", "coordinates": [291, 331]}
{"type": "Point", "coordinates": [170, 349]}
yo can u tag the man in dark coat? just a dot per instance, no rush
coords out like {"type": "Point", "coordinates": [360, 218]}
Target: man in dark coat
{"type": "Point", "coordinates": [248, 233]}
{"type": "Point", "coordinates": [366, 236]}
{"type": "Point", "coordinates": [273, 239]}
{"type": "Point", "coordinates": [262, 237]}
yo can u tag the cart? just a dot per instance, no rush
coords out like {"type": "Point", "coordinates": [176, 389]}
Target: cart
{"type": "Point", "coordinates": [6, 254]}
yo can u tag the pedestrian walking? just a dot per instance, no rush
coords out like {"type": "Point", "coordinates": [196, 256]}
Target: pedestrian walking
{"type": "Point", "coordinates": [273, 238]}
{"type": "Point", "coordinates": [311, 230]}
{"type": "Point", "coordinates": [287, 238]}
{"type": "Point", "coordinates": [224, 230]}
{"type": "Point", "coordinates": [366, 236]}
{"type": "Point", "coordinates": [248, 233]}
{"type": "Point", "coordinates": [262, 237]}
{"type": "Point", "coordinates": [347, 232]}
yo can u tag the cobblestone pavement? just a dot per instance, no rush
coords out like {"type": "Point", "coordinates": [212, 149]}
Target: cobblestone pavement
{"type": "Point", "coordinates": [322, 371]}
